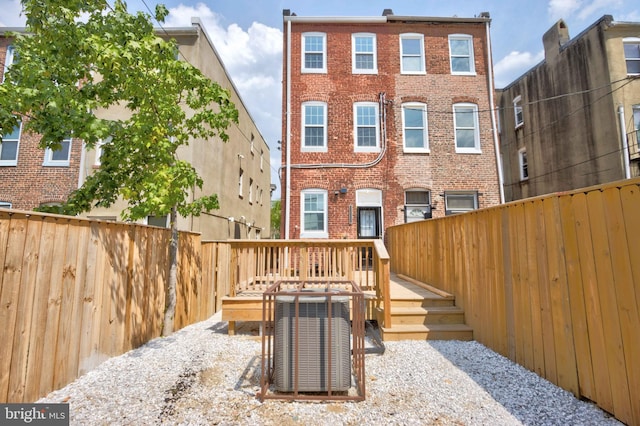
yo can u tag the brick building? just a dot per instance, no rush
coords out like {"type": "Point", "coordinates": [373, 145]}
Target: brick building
{"type": "Point", "coordinates": [386, 120]}
{"type": "Point", "coordinates": [31, 176]}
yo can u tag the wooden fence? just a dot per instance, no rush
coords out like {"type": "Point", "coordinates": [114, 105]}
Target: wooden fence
{"type": "Point", "coordinates": [553, 283]}
{"type": "Point", "coordinates": [75, 292]}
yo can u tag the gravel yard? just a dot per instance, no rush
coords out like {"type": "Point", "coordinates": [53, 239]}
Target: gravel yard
{"type": "Point", "coordinates": [201, 376]}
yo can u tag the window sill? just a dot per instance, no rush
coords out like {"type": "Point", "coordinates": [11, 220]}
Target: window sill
{"type": "Point", "coordinates": [475, 151]}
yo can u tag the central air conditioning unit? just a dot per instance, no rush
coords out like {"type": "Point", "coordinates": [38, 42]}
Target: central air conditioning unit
{"type": "Point", "coordinates": [316, 338]}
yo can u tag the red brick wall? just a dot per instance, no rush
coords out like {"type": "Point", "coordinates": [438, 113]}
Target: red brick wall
{"type": "Point", "coordinates": [440, 170]}
{"type": "Point", "coordinates": [30, 184]}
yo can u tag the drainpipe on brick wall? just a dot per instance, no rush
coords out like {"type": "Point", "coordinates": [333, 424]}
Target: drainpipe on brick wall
{"type": "Point", "coordinates": [625, 144]}
{"type": "Point", "coordinates": [287, 211]}
{"type": "Point", "coordinates": [81, 171]}
{"type": "Point", "coordinates": [494, 127]}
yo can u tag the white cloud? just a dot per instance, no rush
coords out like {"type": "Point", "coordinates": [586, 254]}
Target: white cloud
{"type": "Point", "coordinates": [253, 58]}
{"type": "Point", "coordinates": [562, 9]}
{"type": "Point", "coordinates": [12, 14]}
{"type": "Point", "coordinates": [514, 65]}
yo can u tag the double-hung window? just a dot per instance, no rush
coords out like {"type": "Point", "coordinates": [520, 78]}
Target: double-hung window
{"type": "Point", "coordinates": [9, 147]}
{"type": "Point", "coordinates": [367, 123]}
{"type": "Point", "coordinates": [60, 156]}
{"type": "Point", "coordinates": [314, 127]}
{"type": "Point", "coordinates": [412, 54]}
{"type": "Point", "coordinates": [9, 59]}
{"type": "Point", "coordinates": [313, 215]}
{"type": "Point", "coordinates": [523, 163]}
{"type": "Point", "coordinates": [460, 201]}
{"type": "Point", "coordinates": [632, 55]}
{"type": "Point", "coordinates": [461, 54]}
{"type": "Point", "coordinates": [414, 127]}
{"type": "Point", "coordinates": [467, 134]}
{"type": "Point", "coordinates": [363, 46]}
{"type": "Point", "coordinates": [314, 52]}
{"type": "Point", "coordinates": [517, 111]}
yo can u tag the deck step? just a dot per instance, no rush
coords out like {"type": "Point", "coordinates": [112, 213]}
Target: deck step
{"type": "Point", "coordinates": [427, 315]}
{"type": "Point", "coordinates": [424, 302]}
{"type": "Point", "coordinates": [427, 332]}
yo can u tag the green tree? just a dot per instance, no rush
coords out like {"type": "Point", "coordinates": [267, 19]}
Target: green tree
{"type": "Point", "coordinates": [275, 218]}
{"type": "Point", "coordinates": [82, 56]}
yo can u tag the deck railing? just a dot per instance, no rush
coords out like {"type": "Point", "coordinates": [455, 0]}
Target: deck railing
{"type": "Point", "coordinates": [257, 264]}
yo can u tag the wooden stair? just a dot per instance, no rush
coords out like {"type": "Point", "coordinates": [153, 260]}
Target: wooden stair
{"type": "Point", "coordinates": [421, 312]}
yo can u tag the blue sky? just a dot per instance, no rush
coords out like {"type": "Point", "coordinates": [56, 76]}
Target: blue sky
{"type": "Point", "coordinates": [248, 36]}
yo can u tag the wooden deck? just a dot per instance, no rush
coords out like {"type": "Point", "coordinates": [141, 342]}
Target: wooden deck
{"type": "Point", "coordinates": [418, 312]}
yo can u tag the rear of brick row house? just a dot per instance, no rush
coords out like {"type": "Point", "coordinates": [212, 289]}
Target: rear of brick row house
{"type": "Point", "coordinates": [386, 120]}
{"type": "Point", "coordinates": [31, 176]}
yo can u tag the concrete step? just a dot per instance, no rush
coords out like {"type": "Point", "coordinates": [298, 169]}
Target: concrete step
{"type": "Point", "coordinates": [427, 332]}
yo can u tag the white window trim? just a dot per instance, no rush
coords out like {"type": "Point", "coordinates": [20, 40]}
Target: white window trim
{"type": "Point", "coordinates": [522, 152]}
{"type": "Point", "coordinates": [314, 234]}
{"type": "Point", "coordinates": [422, 60]}
{"type": "Point", "coordinates": [5, 205]}
{"type": "Point", "coordinates": [303, 146]}
{"type": "Point", "coordinates": [15, 161]}
{"type": "Point", "coordinates": [425, 129]}
{"type": "Point", "coordinates": [472, 64]}
{"type": "Point", "coordinates": [322, 70]}
{"type": "Point", "coordinates": [476, 149]}
{"type": "Point", "coordinates": [630, 40]}
{"type": "Point", "coordinates": [357, 148]}
{"type": "Point", "coordinates": [48, 155]}
{"type": "Point", "coordinates": [447, 194]}
{"type": "Point", "coordinates": [355, 70]}
{"type": "Point", "coordinates": [8, 60]}
{"type": "Point", "coordinates": [517, 106]}
{"type": "Point", "coordinates": [240, 182]}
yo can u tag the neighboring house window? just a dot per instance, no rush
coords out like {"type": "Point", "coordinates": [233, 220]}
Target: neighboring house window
{"type": "Point", "coordinates": [366, 132]}
{"type": "Point", "coordinates": [161, 221]}
{"type": "Point", "coordinates": [412, 54]}
{"type": "Point", "coordinates": [60, 156]}
{"type": "Point", "coordinates": [314, 54]}
{"type": "Point", "coordinates": [460, 201]}
{"type": "Point", "coordinates": [313, 215]}
{"type": "Point", "coordinates": [417, 205]}
{"type": "Point", "coordinates": [314, 126]}
{"type": "Point", "coordinates": [364, 58]}
{"type": "Point", "coordinates": [10, 146]}
{"type": "Point", "coordinates": [9, 59]}
{"type": "Point", "coordinates": [240, 179]}
{"type": "Point", "coordinates": [517, 111]}
{"type": "Point", "coordinates": [5, 205]}
{"type": "Point", "coordinates": [461, 54]}
{"type": "Point", "coordinates": [250, 191]}
{"type": "Point", "coordinates": [261, 160]}
{"type": "Point", "coordinates": [632, 55]}
{"type": "Point", "coordinates": [414, 127]}
{"type": "Point", "coordinates": [467, 134]}
{"type": "Point", "coordinates": [524, 164]}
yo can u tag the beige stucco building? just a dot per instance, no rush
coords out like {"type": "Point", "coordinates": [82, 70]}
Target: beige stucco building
{"type": "Point", "coordinates": [572, 120]}
{"type": "Point", "coordinates": [238, 171]}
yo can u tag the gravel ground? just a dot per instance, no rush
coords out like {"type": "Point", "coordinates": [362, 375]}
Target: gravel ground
{"type": "Point", "coordinates": [201, 376]}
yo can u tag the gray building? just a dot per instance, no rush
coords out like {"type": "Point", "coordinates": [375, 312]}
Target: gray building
{"type": "Point", "coordinates": [572, 121]}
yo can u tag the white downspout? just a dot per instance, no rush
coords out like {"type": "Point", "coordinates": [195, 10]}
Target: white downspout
{"type": "Point", "coordinates": [494, 128]}
{"type": "Point", "coordinates": [287, 212]}
{"type": "Point", "coordinates": [82, 172]}
{"type": "Point", "coordinates": [625, 144]}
